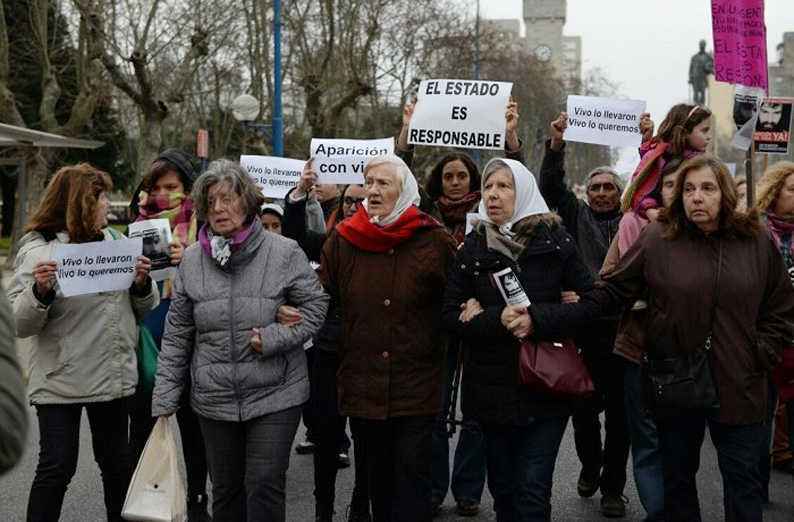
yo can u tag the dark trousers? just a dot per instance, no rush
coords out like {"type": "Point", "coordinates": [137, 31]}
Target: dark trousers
{"type": "Point", "coordinates": [142, 422]}
{"type": "Point", "coordinates": [329, 429]}
{"type": "Point", "coordinates": [606, 371]}
{"type": "Point", "coordinates": [521, 468]}
{"type": "Point", "coordinates": [248, 464]}
{"type": "Point", "coordinates": [398, 466]}
{"type": "Point", "coordinates": [680, 439]}
{"type": "Point", "coordinates": [308, 408]}
{"type": "Point", "coordinates": [468, 468]}
{"type": "Point", "coordinates": [59, 440]}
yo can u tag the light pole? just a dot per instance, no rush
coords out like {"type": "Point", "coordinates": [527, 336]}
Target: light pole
{"type": "Point", "coordinates": [278, 122]}
{"type": "Point", "coordinates": [477, 62]}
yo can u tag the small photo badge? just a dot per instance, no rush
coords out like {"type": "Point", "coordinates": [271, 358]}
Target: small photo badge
{"type": "Point", "coordinates": [510, 287]}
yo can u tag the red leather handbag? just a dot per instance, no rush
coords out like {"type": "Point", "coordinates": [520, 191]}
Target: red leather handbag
{"type": "Point", "coordinates": [553, 366]}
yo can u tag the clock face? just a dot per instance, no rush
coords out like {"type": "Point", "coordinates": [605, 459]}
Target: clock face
{"type": "Point", "coordinates": [543, 53]}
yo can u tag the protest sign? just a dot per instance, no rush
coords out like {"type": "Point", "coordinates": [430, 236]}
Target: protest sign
{"type": "Point", "coordinates": [604, 121]}
{"type": "Point", "coordinates": [460, 113]}
{"type": "Point", "coordinates": [156, 235]}
{"type": "Point", "coordinates": [739, 42]}
{"type": "Point", "coordinates": [100, 266]}
{"type": "Point", "coordinates": [773, 128]}
{"type": "Point", "coordinates": [746, 101]}
{"type": "Point", "coordinates": [343, 161]}
{"type": "Point", "coordinates": [510, 287]}
{"type": "Point", "coordinates": [275, 176]}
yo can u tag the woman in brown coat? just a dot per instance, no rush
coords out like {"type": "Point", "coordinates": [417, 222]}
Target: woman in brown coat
{"type": "Point", "coordinates": [676, 259]}
{"type": "Point", "coordinates": [387, 267]}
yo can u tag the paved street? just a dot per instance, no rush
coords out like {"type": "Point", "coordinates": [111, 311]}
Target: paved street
{"type": "Point", "coordinates": [83, 501]}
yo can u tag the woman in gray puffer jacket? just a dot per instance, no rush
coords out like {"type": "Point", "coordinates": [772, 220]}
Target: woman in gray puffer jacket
{"type": "Point", "coordinates": [248, 371]}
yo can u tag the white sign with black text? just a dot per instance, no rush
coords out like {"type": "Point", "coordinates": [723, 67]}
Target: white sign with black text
{"type": "Point", "coordinates": [604, 121]}
{"type": "Point", "coordinates": [100, 266]}
{"type": "Point", "coordinates": [460, 113]}
{"type": "Point", "coordinates": [342, 161]}
{"type": "Point", "coordinates": [275, 176]}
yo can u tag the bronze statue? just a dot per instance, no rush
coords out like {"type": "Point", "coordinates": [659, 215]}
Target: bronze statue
{"type": "Point", "coordinates": [701, 65]}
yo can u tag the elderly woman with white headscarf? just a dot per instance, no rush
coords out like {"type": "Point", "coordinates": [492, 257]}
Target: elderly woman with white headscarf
{"type": "Point", "coordinates": [387, 266]}
{"type": "Point", "coordinates": [523, 429]}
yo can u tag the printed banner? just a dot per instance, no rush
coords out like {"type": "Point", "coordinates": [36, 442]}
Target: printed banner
{"type": "Point", "coordinates": [156, 235]}
{"type": "Point", "coordinates": [343, 161]}
{"type": "Point", "coordinates": [101, 266]}
{"type": "Point", "coordinates": [460, 113]}
{"type": "Point", "coordinates": [275, 176]}
{"type": "Point", "coordinates": [739, 42]}
{"type": "Point", "coordinates": [604, 121]}
{"type": "Point", "coordinates": [773, 128]}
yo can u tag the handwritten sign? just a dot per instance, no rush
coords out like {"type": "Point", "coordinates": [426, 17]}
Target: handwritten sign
{"type": "Point", "coordinates": [604, 121]}
{"type": "Point", "coordinates": [739, 42]}
{"type": "Point", "coordinates": [101, 266]}
{"type": "Point", "coordinates": [343, 161]}
{"type": "Point", "coordinates": [274, 176]}
{"type": "Point", "coordinates": [460, 113]}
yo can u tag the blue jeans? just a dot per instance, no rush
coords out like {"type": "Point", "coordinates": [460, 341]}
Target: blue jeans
{"type": "Point", "coordinates": [645, 454]}
{"type": "Point", "coordinates": [680, 439]}
{"type": "Point", "coordinates": [248, 464]}
{"type": "Point", "coordinates": [521, 467]}
{"type": "Point", "coordinates": [468, 469]}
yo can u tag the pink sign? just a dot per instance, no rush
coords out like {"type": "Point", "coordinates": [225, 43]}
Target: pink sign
{"type": "Point", "coordinates": [739, 42]}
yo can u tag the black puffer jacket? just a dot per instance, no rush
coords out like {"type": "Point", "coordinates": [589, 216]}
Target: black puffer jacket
{"type": "Point", "coordinates": [549, 264]}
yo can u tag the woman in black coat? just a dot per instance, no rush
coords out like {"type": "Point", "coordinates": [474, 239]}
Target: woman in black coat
{"type": "Point", "coordinates": [523, 429]}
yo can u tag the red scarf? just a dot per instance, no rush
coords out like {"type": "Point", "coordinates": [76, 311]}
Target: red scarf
{"type": "Point", "coordinates": [454, 213]}
{"type": "Point", "coordinates": [372, 238]}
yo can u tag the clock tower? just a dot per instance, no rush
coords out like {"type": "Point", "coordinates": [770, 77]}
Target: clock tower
{"type": "Point", "coordinates": [544, 20]}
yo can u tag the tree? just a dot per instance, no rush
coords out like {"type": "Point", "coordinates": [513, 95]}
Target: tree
{"type": "Point", "coordinates": [42, 32]}
{"type": "Point", "coordinates": [152, 51]}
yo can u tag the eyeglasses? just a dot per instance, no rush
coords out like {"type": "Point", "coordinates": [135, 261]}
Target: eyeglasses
{"type": "Point", "coordinates": [349, 202]}
{"type": "Point", "coordinates": [223, 201]}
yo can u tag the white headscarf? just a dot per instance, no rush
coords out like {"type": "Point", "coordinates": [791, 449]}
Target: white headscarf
{"type": "Point", "coordinates": [528, 202]}
{"type": "Point", "coordinates": [409, 193]}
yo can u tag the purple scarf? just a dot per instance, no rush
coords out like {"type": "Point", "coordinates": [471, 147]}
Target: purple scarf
{"type": "Point", "coordinates": [220, 248]}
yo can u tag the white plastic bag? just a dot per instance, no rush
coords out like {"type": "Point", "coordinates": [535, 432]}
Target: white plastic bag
{"type": "Point", "coordinates": [156, 493]}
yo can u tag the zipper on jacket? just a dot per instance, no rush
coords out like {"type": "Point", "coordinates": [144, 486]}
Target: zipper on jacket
{"type": "Point", "coordinates": [232, 348]}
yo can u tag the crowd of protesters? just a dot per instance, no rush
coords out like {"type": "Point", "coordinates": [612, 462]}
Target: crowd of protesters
{"type": "Point", "coordinates": [379, 304]}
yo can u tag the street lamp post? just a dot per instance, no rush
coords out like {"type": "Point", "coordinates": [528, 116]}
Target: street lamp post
{"type": "Point", "coordinates": [278, 122]}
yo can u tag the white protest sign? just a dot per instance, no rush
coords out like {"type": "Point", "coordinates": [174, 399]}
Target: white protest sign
{"type": "Point", "coordinates": [275, 176]}
{"type": "Point", "coordinates": [156, 235]}
{"type": "Point", "coordinates": [604, 121]}
{"type": "Point", "coordinates": [460, 113]}
{"type": "Point", "coordinates": [343, 161]}
{"type": "Point", "coordinates": [100, 266]}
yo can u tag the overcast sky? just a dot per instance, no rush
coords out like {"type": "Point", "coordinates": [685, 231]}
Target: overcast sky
{"type": "Point", "coordinates": [645, 45]}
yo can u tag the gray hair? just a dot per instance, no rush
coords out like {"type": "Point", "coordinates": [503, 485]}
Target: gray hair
{"type": "Point", "coordinates": [493, 166]}
{"type": "Point", "coordinates": [604, 170]}
{"type": "Point", "coordinates": [401, 170]}
{"type": "Point", "coordinates": [226, 171]}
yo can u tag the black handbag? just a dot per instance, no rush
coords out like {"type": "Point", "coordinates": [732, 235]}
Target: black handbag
{"type": "Point", "coordinates": [675, 385]}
